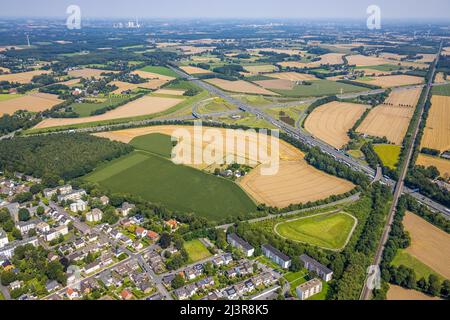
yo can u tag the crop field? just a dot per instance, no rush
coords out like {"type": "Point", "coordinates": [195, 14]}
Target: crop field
{"type": "Point", "coordinates": [393, 81]}
{"type": "Point", "coordinates": [279, 84]}
{"type": "Point", "coordinates": [240, 86]}
{"type": "Point", "coordinates": [196, 250]}
{"type": "Point", "coordinates": [404, 97]}
{"type": "Point", "coordinates": [170, 92]}
{"type": "Point", "coordinates": [85, 109]}
{"type": "Point", "coordinates": [389, 154]}
{"type": "Point", "coordinates": [420, 269]}
{"type": "Point", "coordinates": [293, 76]}
{"type": "Point", "coordinates": [441, 90]}
{"type": "Point", "coordinates": [178, 187]}
{"type": "Point", "coordinates": [387, 121]}
{"type": "Point", "coordinates": [34, 102]}
{"type": "Point", "coordinates": [88, 73]}
{"type": "Point", "coordinates": [143, 106]}
{"type": "Point", "coordinates": [295, 182]}
{"type": "Point", "coordinates": [326, 59]}
{"type": "Point", "coordinates": [329, 231]}
{"type": "Point", "coordinates": [194, 70]}
{"type": "Point", "coordinates": [7, 96]}
{"type": "Point", "coordinates": [368, 72]}
{"type": "Point", "coordinates": [257, 69]}
{"type": "Point", "coordinates": [399, 293]}
{"type": "Point", "coordinates": [441, 164]}
{"type": "Point", "coordinates": [429, 244]}
{"type": "Point", "coordinates": [152, 76]}
{"type": "Point", "coordinates": [440, 78]}
{"type": "Point", "coordinates": [156, 143]}
{"type": "Point", "coordinates": [319, 88]}
{"type": "Point", "coordinates": [332, 121]}
{"type": "Point", "coordinates": [22, 77]}
{"type": "Point", "coordinates": [437, 130]}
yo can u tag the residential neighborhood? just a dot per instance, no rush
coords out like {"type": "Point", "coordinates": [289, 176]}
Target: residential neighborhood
{"type": "Point", "coordinates": [111, 250]}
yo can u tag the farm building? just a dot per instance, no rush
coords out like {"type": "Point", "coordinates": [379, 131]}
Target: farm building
{"type": "Point", "coordinates": [308, 289]}
{"type": "Point", "coordinates": [241, 244]}
{"type": "Point", "coordinates": [276, 256]}
{"type": "Point", "coordinates": [312, 265]}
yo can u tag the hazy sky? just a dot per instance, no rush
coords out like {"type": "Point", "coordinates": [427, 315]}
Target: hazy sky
{"type": "Point", "coordinates": [406, 9]}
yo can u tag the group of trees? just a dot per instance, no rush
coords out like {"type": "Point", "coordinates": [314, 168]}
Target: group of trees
{"type": "Point", "coordinates": [32, 265]}
{"type": "Point", "coordinates": [66, 156]}
{"type": "Point", "coordinates": [402, 275]}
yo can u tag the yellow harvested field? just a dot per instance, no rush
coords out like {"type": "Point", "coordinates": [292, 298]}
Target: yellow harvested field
{"type": "Point", "coordinates": [88, 73]}
{"type": "Point", "coordinates": [446, 51]}
{"type": "Point", "coordinates": [152, 84]}
{"type": "Point", "coordinates": [387, 121]}
{"type": "Point", "coordinates": [279, 84]}
{"type": "Point", "coordinates": [437, 130]}
{"type": "Point", "coordinates": [404, 97]}
{"type": "Point", "coordinates": [360, 60]}
{"type": "Point", "coordinates": [5, 70]}
{"type": "Point", "coordinates": [398, 293]}
{"type": "Point", "coordinates": [293, 76]}
{"type": "Point", "coordinates": [140, 107]}
{"type": "Point", "coordinates": [22, 77]}
{"type": "Point", "coordinates": [194, 70]}
{"type": "Point", "coordinates": [260, 69]}
{"type": "Point", "coordinates": [441, 164]}
{"type": "Point", "coordinates": [151, 75]}
{"type": "Point", "coordinates": [392, 56]}
{"type": "Point", "coordinates": [426, 58]}
{"type": "Point", "coordinates": [394, 81]}
{"type": "Point", "coordinates": [429, 244]}
{"type": "Point", "coordinates": [171, 92]}
{"type": "Point", "coordinates": [123, 86]}
{"type": "Point", "coordinates": [329, 58]}
{"type": "Point", "coordinates": [331, 122]}
{"type": "Point", "coordinates": [291, 52]}
{"type": "Point", "coordinates": [295, 182]}
{"type": "Point", "coordinates": [70, 82]}
{"type": "Point", "coordinates": [240, 86]}
{"type": "Point", "coordinates": [34, 102]}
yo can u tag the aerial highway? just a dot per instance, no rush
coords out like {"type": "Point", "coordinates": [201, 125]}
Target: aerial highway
{"type": "Point", "coordinates": [310, 140]}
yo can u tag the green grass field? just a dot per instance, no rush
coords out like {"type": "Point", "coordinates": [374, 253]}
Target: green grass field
{"type": "Point", "coordinates": [196, 250]}
{"type": "Point", "coordinates": [178, 187]}
{"type": "Point", "coordinates": [5, 97]}
{"type": "Point", "coordinates": [422, 270]}
{"type": "Point", "coordinates": [160, 144]}
{"type": "Point", "coordinates": [85, 109]}
{"type": "Point", "coordinates": [160, 70]}
{"type": "Point", "coordinates": [388, 154]}
{"type": "Point", "coordinates": [320, 88]}
{"type": "Point", "coordinates": [329, 231]}
{"type": "Point", "coordinates": [441, 90]}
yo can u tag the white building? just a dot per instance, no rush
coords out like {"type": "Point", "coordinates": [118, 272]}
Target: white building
{"type": "Point", "coordinates": [308, 289]}
{"type": "Point", "coordinates": [25, 226]}
{"type": "Point", "coordinates": [48, 193]}
{"type": "Point", "coordinates": [313, 265]}
{"type": "Point", "coordinates": [3, 238]}
{"type": "Point", "coordinates": [56, 232]}
{"type": "Point", "coordinates": [95, 215]}
{"type": "Point", "coordinates": [276, 256]}
{"type": "Point", "coordinates": [72, 196]}
{"type": "Point", "coordinates": [78, 205]}
{"type": "Point", "coordinates": [42, 227]}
